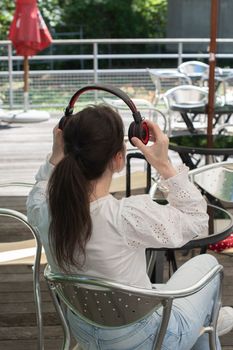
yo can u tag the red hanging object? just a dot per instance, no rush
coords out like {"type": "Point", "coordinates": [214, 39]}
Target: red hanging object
{"type": "Point", "coordinates": [28, 31]}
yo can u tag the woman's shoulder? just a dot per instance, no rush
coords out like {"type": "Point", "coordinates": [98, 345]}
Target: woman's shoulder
{"type": "Point", "coordinates": [109, 201]}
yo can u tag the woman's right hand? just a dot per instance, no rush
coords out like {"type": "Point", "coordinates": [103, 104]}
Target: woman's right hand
{"type": "Point", "coordinates": [58, 146]}
{"type": "Point", "coordinates": [157, 153]}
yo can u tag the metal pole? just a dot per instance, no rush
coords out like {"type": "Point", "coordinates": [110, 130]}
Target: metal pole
{"type": "Point", "coordinates": [180, 53]}
{"type": "Point", "coordinates": [10, 70]}
{"type": "Point", "coordinates": [95, 52]}
{"type": "Point", "coordinates": [212, 64]}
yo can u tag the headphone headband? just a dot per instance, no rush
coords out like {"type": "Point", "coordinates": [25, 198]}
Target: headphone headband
{"type": "Point", "coordinates": [138, 128]}
{"type": "Point", "coordinates": [109, 88]}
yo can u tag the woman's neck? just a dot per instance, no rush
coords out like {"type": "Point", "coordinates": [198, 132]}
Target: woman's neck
{"type": "Point", "coordinates": [100, 187]}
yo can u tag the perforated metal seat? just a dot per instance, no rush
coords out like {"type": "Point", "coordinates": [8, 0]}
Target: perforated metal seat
{"type": "Point", "coordinates": [109, 304]}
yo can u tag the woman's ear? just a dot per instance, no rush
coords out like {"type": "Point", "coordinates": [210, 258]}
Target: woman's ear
{"type": "Point", "coordinates": [119, 162]}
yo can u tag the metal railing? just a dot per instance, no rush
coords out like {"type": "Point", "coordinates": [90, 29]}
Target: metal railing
{"type": "Point", "coordinates": [51, 88]}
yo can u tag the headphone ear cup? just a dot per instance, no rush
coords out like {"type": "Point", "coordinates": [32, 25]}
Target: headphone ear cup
{"type": "Point", "coordinates": [139, 130]}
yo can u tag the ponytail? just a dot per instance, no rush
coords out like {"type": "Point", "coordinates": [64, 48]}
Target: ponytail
{"type": "Point", "coordinates": [92, 138]}
{"type": "Point", "coordinates": [70, 226]}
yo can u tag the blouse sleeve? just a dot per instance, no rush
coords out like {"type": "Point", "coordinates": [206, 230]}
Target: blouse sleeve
{"type": "Point", "coordinates": [149, 224]}
{"type": "Point", "coordinates": [37, 207]}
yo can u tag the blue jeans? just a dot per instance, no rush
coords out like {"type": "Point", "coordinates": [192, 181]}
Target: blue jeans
{"type": "Point", "coordinates": [188, 316]}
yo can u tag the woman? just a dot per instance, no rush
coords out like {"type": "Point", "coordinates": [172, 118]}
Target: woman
{"type": "Point", "coordinates": [84, 229]}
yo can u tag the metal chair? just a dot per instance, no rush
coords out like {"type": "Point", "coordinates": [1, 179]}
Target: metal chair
{"type": "Point", "coordinates": [19, 217]}
{"type": "Point", "coordinates": [108, 304]}
{"type": "Point", "coordinates": [185, 97]}
{"type": "Point", "coordinates": [216, 183]}
{"type": "Point", "coordinates": [164, 80]}
{"type": "Point", "coordinates": [227, 87]}
{"type": "Point", "coordinates": [198, 72]}
{"type": "Point", "coordinates": [16, 215]}
{"type": "Point", "coordinates": [193, 69]}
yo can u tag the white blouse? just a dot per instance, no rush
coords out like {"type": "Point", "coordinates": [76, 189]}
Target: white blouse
{"type": "Point", "coordinates": [123, 229]}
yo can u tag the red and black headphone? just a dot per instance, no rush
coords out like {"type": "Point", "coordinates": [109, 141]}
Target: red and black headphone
{"type": "Point", "coordinates": [138, 127]}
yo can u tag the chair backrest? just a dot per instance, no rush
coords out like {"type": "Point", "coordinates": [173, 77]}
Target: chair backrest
{"type": "Point", "coordinates": [193, 69]}
{"type": "Point", "coordinates": [216, 180]}
{"type": "Point", "coordinates": [227, 88]}
{"type": "Point", "coordinates": [106, 303]}
{"type": "Point", "coordinates": [109, 304]}
{"type": "Point", "coordinates": [186, 96]}
{"type": "Point", "coordinates": [19, 217]}
{"type": "Point", "coordinates": [166, 79]}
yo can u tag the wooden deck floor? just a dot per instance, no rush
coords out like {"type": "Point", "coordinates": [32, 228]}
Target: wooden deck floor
{"type": "Point", "coordinates": [22, 149]}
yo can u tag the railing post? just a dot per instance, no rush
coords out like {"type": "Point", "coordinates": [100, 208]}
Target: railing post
{"type": "Point", "coordinates": [10, 70]}
{"type": "Point", "coordinates": [180, 53]}
{"type": "Point", "coordinates": [95, 52]}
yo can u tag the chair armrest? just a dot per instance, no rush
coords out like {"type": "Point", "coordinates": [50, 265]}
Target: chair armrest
{"type": "Point", "coordinates": [194, 288]}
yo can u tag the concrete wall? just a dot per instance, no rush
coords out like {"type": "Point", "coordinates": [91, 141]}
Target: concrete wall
{"type": "Point", "coordinates": [191, 19]}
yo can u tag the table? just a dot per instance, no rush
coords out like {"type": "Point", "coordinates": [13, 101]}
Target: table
{"type": "Point", "coordinates": [192, 144]}
{"type": "Point", "coordinates": [220, 227]}
{"type": "Point", "coordinates": [188, 114]}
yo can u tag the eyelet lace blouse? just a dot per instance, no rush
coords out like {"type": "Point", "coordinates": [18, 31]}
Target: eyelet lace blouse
{"type": "Point", "coordinates": [123, 229]}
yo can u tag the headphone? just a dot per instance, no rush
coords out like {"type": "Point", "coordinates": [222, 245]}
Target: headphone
{"type": "Point", "coordinates": [138, 127]}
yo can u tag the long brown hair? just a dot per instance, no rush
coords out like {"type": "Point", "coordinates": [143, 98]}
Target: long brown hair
{"type": "Point", "coordinates": [91, 139]}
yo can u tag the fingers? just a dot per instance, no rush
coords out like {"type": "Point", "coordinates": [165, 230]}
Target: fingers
{"type": "Point", "coordinates": [138, 143]}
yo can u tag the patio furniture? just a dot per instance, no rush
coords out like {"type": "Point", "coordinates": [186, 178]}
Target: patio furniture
{"type": "Point", "coordinates": [165, 79]}
{"type": "Point", "coordinates": [184, 99]}
{"type": "Point", "coordinates": [216, 182]}
{"type": "Point", "coordinates": [21, 117]}
{"type": "Point", "coordinates": [197, 71]}
{"type": "Point", "coordinates": [220, 227]}
{"type": "Point", "coordinates": [109, 304]}
{"type": "Point", "coordinates": [193, 146]}
{"type": "Point", "coordinates": [226, 88]}
{"type": "Point", "coordinates": [19, 217]}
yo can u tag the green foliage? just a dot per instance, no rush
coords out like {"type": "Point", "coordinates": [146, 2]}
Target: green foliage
{"type": "Point", "coordinates": [114, 18]}
{"type": "Point", "coordinates": [154, 13]}
{"type": "Point", "coordinates": [6, 15]}
{"type": "Point", "coordinates": [98, 18]}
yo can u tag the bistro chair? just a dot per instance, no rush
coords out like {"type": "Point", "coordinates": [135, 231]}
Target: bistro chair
{"type": "Point", "coordinates": [193, 69]}
{"type": "Point", "coordinates": [216, 183]}
{"type": "Point", "coordinates": [108, 304]}
{"type": "Point", "coordinates": [181, 99]}
{"type": "Point", "coordinates": [164, 80]}
{"type": "Point", "coordinates": [19, 217]}
{"type": "Point", "coordinates": [227, 87]}
{"type": "Point", "coordinates": [198, 72]}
